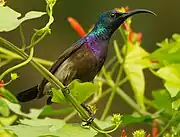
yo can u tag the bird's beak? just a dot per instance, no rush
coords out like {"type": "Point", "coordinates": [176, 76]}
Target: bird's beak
{"type": "Point", "coordinates": [136, 11]}
{"type": "Point", "coordinates": [123, 16]}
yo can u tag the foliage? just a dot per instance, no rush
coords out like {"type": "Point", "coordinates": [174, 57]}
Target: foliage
{"type": "Point", "coordinates": [126, 66]}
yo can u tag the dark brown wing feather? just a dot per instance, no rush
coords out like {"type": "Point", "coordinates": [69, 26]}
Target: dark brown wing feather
{"type": "Point", "coordinates": [66, 54]}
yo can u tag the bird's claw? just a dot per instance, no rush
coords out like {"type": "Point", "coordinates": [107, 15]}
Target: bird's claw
{"type": "Point", "coordinates": [88, 121]}
{"type": "Point", "coordinates": [66, 89]}
{"type": "Point", "coordinates": [91, 118]}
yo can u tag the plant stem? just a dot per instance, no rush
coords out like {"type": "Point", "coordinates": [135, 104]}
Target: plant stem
{"type": "Point", "coordinates": [22, 37]}
{"type": "Point", "coordinates": [71, 115]}
{"type": "Point", "coordinates": [129, 101]}
{"type": "Point", "coordinates": [167, 126]}
{"type": "Point", "coordinates": [37, 41]}
{"type": "Point", "coordinates": [11, 55]}
{"type": "Point", "coordinates": [19, 65]}
{"type": "Point", "coordinates": [124, 80]}
{"type": "Point", "coordinates": [108, 105]}
{"type": "Point", "coordinates": [110, 62]}
{"type": "Point", "coordinates": [149, 103]}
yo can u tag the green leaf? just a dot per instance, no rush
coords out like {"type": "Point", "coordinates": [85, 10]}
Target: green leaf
{"type": "Point", "coordinates": [169, 51]}
{"type": "Point", "coordinates": [80, 91]}
{"type": "Point", "coordinates": [68, 130]}
{"type": "Point", "coordinates": [7, 121]}
{"type": "Point", "coordinates": [10, 18]}
{"type": "Point", "coordinates": [171, 75]}
{"type": "Point", "coordinates": [8, 95]}
{"type": "Point", "coordinates": [4, 110]}
{"type": "Point", "coordinates": [4, 133]}
{"type": "Point", "coordinates": [28, 131]}
{"type": "Point", "coordinates": [129, 119]}
{"type": "Point", "coordinates": [16, 108]}
{"type": "Point", "coordinates": [134, 64]}
{"type": "Point", "coordinates": [76, 131]}
{"type": "Point", "coordinates": [105, 123]}
{"type": "Point", "coordinates": [49, 111]}
{"type": "Point", "coordinates": [58, 96]}
{"type": "Point", "coordinates": [176, 104]}
{"type": "Point", "coordinates": [53, 124]}
{"type": "Point", "coordinates": [162, 100]}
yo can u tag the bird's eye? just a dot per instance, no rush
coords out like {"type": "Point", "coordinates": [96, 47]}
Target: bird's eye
{"type": "Point", "coordinates": [113, 15]}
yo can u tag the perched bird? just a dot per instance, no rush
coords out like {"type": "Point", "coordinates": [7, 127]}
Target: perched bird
{"type": "Point", "coordinates": [84, 59]}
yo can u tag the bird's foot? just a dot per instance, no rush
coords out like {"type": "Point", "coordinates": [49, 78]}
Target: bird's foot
{"type": "Point", "coordinates": [91, 118]}
{"type": "Point", "coordinates": [88, 121]}
{"type": "Point", "coordinates": [66, 89]}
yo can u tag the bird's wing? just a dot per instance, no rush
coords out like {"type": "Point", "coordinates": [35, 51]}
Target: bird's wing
{"type": "Point", "coordinates": [66, 54]}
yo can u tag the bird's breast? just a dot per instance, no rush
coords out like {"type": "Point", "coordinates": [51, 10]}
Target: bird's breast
{"type": "Point", "coordinates": [84, 64]}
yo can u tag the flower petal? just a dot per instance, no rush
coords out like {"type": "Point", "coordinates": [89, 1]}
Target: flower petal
{"type": "Point", "coordinates": [76, 26]}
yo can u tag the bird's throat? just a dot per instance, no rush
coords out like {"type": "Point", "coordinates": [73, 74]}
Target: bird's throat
{"type": "Point", "coordinates": [98, 40]}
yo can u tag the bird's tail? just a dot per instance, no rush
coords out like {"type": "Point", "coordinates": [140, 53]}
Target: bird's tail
{"type": "Point", "coordinates": [28, 94]}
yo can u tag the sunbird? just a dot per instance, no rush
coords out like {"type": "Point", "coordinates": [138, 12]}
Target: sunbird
{"type": "Point", "coordinates": [85, 58]}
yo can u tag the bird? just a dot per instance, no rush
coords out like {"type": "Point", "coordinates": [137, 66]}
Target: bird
{"type": "Point", "coordinates": [85, 58]}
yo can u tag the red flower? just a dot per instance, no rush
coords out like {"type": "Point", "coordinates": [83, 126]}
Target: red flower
{"type": "Point", "coordinates": [123, 134]}
{"type": "Point", "coordinates": [127, 27]}
{"type": "Point", "coordinates": [154, 129]}
{"type": "Point", "coordinates": [124, 9]}
{"type": "Point", "coordinates": [135, 37]}
{"type": "Point", "coordinates": [76, 26]}
{"type": "Point", "coordinates": [127, 8]}
{"type": "Point", "coordinates": [149, 135]}
{"type": "Point", "coordinates": [1, 84]}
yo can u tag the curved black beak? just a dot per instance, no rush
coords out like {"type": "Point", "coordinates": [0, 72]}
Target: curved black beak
{"type": "Point", "coordinates": [136, 11]}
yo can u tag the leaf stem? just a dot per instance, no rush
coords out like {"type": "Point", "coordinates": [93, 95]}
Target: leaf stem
{"type": "Point", "coordinates": [71, 115]}
{"type": "Point", "coordinates": [18, 66]}
{"type": "Point", "coordinates": [167, 126]}
{"type": "Point", "coordinates": [22, 37]}
{"type": "Point", "coordinates": [108, 105]}
{"type": "Point", "coordinates": [11, 55]}
{"type": "Point", "coordinates": [129, 101]}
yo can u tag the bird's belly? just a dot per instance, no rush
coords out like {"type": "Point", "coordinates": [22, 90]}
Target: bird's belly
{"type": "Point", "coordinates": [81, 65]}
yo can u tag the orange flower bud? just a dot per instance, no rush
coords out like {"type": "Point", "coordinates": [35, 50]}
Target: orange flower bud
{"type": "Point", "coordinates": [154, 129]}
{"type": "Point", "coordinates": [116, 9]}
{"type": "Point", "coordinates": [126, 27]}
{"type": "Point", "coordinates": [1, 84]}
{"type": "Point", "coordinates": [130, 36]}
{"type": "Point", "coordinates": [127, 8]}
{"type": "Point", "coordinates": [123, 134]}
{"type": "Point", "coordinates": [76, 26]}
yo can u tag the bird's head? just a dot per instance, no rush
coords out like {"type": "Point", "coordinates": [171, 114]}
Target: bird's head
{"type": "Point", "coordinates": [112, 19]}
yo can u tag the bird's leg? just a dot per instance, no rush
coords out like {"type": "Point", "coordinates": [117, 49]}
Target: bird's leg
{"type": "Point", "coordinates": [88, 109]}
{"type": "Point", "coordinates": [66, 89]}
{"type": "Point", "coordinates": [91, 113]}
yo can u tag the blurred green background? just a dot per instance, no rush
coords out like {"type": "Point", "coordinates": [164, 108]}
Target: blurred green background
{"type": "Point", "coordinates": [154, 29]}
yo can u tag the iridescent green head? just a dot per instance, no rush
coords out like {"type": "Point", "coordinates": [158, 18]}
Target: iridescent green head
{"type": "Point", "coordinates": [112, 19]}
